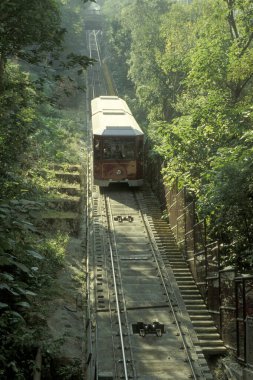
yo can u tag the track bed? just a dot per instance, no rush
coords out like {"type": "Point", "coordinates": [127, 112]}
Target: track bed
{"type": "Point", "coordinates": [139, 327]}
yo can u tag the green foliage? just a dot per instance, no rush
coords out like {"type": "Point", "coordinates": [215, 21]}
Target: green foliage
{"type": "Point", "coordinates": [54, 248]}
{"type": "Point", "coordinates": [205, 146]}
{"type": "Point", "coordinates": [134, 39]}
{"type": "Point", "coordinates": [29, 23]}
{"type": "Point", "coordinates": [191, 65]}
{"type": "Point", "coordinates": [142, 20]}
{"type": "Point", "coordinates": [32, 32]}
{"type": "Point", "coordinates": [17, 346]}
{"type": "Point", "coordinates": [228, 200]}
{"type": "Point", "coordinates": [19, 287]}
{"type": "Point", "coordinates": [17, 116]}
{"type": "Point", "coordinates": [33, 64]}
{"type": "Point", "coordinates": [71, 371]}
{"type": "Point", "coordinates": [26, 274]}
{"type": "Point", "coordinates": [60, 138]}
{"type": "Point", "coordinates": [117, 46]}
{"type": "Point", "coordinates": [39, 40]}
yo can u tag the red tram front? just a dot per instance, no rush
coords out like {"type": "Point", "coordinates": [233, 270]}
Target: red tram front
{"type": "Point", "coordinates": [117, 143]}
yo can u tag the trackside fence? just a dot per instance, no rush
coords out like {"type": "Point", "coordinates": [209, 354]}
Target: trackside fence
{"type": "Point", "coordinates": [228, 295]}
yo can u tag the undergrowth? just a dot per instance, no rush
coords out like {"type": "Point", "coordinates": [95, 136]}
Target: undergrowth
{"type": "Point", "coordinates": [29, 257]}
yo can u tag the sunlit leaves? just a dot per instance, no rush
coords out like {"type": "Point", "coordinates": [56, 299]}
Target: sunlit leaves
{"type": "Point", "coordinates": [33, 24]}
{"type": "Point", "coordinates": [207, 146]}
{"type": "Point", "coordinates": [35, 254]}
{"type": "Point", "coordinates": [177, 31]}
{"type": "Point", "coordinates": [240, 66]}
{"type": "Point", "coordinates": [17, 116]}
{"type": "Point", "coordinates": [3, 305]}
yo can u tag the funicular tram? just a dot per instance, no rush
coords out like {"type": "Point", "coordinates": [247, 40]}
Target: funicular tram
{"type": "Point", "coordinates": [117, 143]}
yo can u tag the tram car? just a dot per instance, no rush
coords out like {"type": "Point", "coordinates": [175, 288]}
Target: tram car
{"type": "Point", "coordinates": [117, 143]}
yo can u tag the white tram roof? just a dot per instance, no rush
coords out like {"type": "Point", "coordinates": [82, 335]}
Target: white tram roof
{"type": "Point", "coordinates": [111, 116]}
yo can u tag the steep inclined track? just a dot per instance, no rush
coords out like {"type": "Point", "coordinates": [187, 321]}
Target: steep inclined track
{"type": "Point", "coordinates": [95, 80]}
{"type": "Point", "coordinates": [135, 273]}
{"type": "Point", "coordinates": [132, 284]}
{"type": "Point", "coordinates": [207, 333]}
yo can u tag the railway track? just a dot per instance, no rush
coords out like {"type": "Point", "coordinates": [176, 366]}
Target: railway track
{"type": "Point", "coordinates": [140, 329]}
{"type": "Point", "coordinates": [142, 312]}
{"type": "Point", "coordinates": [95, 79]}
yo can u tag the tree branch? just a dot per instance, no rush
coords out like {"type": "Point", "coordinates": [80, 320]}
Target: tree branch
{"type": "Point", "coordinates": [247, 45]}
{"type": "Point", "coordinates": [231, 20]}
{"type": "Point", "coordinates": [240, 86]}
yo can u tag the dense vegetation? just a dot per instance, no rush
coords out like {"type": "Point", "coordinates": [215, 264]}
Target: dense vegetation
{"type": "Point", "coordinates": [42, 66]}
{"type": "Point", "coordinates": [190, 69]}
{"type": "Point", "coordinates": [186, 71]}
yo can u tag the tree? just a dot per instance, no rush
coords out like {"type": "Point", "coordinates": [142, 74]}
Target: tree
{"type": "Point", "coordinates": [31, 31]}
{"type": "Point", "coordinates": [191, 65]}
{"type": "Point", "coordinates": [142, 19]}
{"type": "Point", "coordinates": [204, 146]}
{"type": "Point", "coordinates": [17, 118]}
{"type": "Point", "coordinates": [32, 52]}
{"type": "Point", "coordinates": [116, 46]}
{"type": "Point", "coordinates": [134, 41]}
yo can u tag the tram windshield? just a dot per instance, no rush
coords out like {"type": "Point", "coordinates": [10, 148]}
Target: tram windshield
{"type": "Point", "coordinates": [118, 149]}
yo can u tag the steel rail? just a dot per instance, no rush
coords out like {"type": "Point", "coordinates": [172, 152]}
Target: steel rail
{"type": "Point", "coordinates": [101, 79]}
{"type": "Point", "coordinates": [92, 335]}
{"type": "Point", "coordinates": [154, 250]}
{"type": "Point", "coordinates": [88, 284]}
{"type": "Point", "coordinates": [116, 294]}
{"type": "Point", "coordinates": [88, 214]}
{"type": "Point", "coordinates": [97, 46]}
{"type": "Point", "coordinates": [93, 44]}
{"type": "Point", "coordinates": [124, 304]}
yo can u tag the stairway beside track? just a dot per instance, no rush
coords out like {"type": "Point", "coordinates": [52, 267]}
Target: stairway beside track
{"type": "Point", "coordinates": [207, 332]}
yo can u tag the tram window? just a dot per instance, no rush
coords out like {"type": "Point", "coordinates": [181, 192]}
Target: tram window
{"type": "Point", "coordinates": [118, 149]}
{"type": "Point", "coordinates": [117, 152]}
{"type": "Point", "coordinates": [129, 150]}
{"type": "Point", "coordinates": [97, 149]}
{"type": "Point", "coordinates": [107, 152]}
{"type": "Point", "coordinates": [140, 149]}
